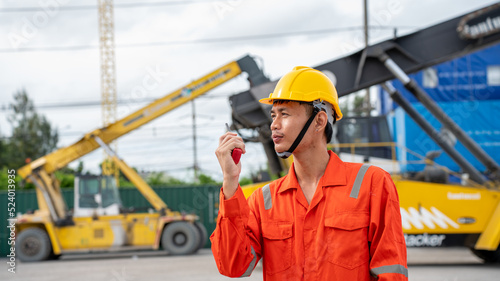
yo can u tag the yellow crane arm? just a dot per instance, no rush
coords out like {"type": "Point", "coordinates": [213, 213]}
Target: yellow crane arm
{"type": "Point", "coordinates": [62, 157]}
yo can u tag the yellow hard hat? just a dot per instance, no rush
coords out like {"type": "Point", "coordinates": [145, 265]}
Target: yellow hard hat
{"type": "Point", "coordinates": [305, 84]}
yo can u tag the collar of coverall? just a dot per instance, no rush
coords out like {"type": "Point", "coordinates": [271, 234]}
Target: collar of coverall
{"type": "Point", "coordinates": [335, 167]}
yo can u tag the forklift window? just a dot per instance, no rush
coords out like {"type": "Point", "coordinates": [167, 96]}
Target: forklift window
{"type": "Point", "coordinates": [87, 189]}
{"type": "Point", "coordinates": [109, 192]}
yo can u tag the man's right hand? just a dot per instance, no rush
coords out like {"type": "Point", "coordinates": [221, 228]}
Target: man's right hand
{"type": "Point", "coordinates": [230, 170]}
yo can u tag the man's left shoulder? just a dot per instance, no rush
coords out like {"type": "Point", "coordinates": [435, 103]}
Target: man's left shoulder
{"type": "Point", "coordinates": [379, 179]}
{"type": "Point", "coordinates": [367, 170]}
{"type": "Point", "coordinates": [378, 172]}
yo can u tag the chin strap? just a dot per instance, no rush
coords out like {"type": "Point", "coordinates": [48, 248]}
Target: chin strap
{"type": "Point", "coordinates": [286, 154]}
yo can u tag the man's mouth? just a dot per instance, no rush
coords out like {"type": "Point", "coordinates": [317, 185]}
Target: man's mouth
{"type": "Point", "coordinates": [277, 138]}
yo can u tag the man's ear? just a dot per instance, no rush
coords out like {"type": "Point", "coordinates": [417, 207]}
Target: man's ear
{"type": "Point", "coordinates": [321, 121]}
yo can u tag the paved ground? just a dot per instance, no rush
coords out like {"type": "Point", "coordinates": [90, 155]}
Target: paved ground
{"type": "Point", "coordinates": [453, 264]}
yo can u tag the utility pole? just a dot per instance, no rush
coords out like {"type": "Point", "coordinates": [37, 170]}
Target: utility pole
{"type": "Point", "coordinates": [365, 6]}
{"type": "Point", "coordinates": [366, 103]}
{"type": "Point", "coordinates": [195, 150]}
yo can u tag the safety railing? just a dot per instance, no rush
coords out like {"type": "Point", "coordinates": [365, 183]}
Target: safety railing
{"type": "Point", "coordinates": [366, 152]}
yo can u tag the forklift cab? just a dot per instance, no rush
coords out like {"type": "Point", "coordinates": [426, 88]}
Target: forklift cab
{"type": "Point", "coordinates": [96, 196]}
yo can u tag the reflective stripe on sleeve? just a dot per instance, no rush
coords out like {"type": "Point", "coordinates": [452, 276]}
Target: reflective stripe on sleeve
{"type": "Point", "coordinates": [358, 181]}
{"type": "Point", "coordinates": [251, 265]}
{"type": "Point", "coordinates": [395, 268]}
{"type": "Point", "coordinates": [268, 200]}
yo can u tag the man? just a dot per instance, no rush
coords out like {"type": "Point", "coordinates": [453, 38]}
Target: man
{"type": "Point", "coordinates": [325, 220]}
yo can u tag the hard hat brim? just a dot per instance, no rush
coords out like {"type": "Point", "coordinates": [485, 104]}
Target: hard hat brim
{"type": "Point", "coordinates": [271, 100]}
{"type": "Point", "coordinates": [266, 101]}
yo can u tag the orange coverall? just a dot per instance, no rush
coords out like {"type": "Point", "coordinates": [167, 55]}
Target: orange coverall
{"type": "Point", "coordinates": [351, 230]}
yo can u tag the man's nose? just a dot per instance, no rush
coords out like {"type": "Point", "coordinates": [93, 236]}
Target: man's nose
{"type": "Point", "coordinates": [275, 124]}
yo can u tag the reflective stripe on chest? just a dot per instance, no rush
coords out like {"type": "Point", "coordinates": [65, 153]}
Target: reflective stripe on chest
{"type": "Point", "coordinates": [268, 200]}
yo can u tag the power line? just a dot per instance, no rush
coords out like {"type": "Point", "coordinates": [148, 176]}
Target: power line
{"type": "Point", "coordinates": [198, 41]}
{"type": "Point", "coordinates": [160, 134]}
{"type": "Point", "coordinates": [123, 5]}
{"type": "Point", "coordinates": [98, 103]}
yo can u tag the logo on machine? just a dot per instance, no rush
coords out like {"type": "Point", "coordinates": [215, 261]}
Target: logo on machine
{"type": "Point", "coordinates": [185, 92]}
{"type": "Point", "coordinates": [425, 218]}
{"type": "Point", "coordinates": [463, 196]}
{"type": "Point", "coordinates": [466, 220]}
{"type": "Point", "coordinates": [424, 240]}
{"type": "Point", "coordinates": [480, 24]}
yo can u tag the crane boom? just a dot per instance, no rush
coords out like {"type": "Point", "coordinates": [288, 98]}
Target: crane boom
{"type": "Point", "coordinates": [62, 157]}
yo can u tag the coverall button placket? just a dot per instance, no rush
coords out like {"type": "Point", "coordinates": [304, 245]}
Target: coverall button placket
{"type": "Point", "coordinates": [300, 211]}
{"type": "Point", "coordinates": [309, 257]}
{"type": "Point", "coordinates": [310, 226]}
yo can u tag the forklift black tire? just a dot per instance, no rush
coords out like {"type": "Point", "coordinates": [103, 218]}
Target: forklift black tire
{"type": "Point", "coordinates": [203, 233]}
{"type": "Point", "coordinates": [33, 244]}
{"type": "Point", "coordinates": [180, 238]}
{"type": "Point", "coordinates": [488, 256]}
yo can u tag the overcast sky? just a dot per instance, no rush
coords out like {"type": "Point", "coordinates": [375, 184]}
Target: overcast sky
{"type": "Point", "coordinates": [180, 54]}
